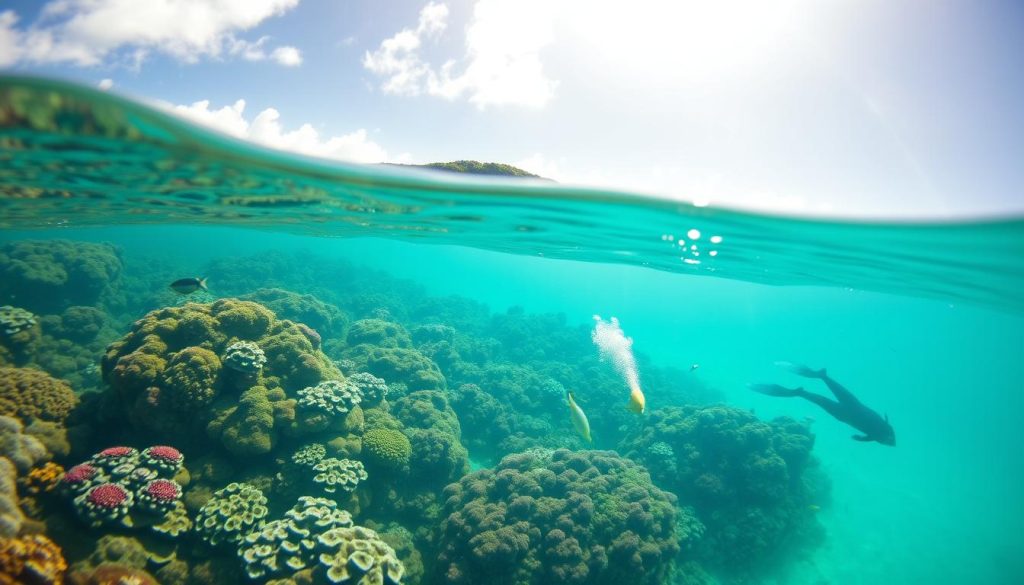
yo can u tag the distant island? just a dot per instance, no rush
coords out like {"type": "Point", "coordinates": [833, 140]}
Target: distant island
{"type": "Point", "coordinates": [474, 167]}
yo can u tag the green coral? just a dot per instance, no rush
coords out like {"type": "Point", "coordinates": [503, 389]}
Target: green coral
{"type": "Point", "coordinates": [247, 427]}
{"type": "Point", "coordinates": [287, 545]}
{"type": "Point", "coordinates": [558, 517]}
{"type": "Point", "coordinates": [333, 474]}
{"type": "Point", "coordinates": [302, 308]}
{"type": "Point", "coordinates": [19, 335]}
{"type": "Point", "coordinates": [49, 276]}
{"type": "Point", "coordinates": [379, 333]}
{"type": "Point", "coordinates": [230, 514]}
{"type": "Point", "coordinates": [356, 556]}
{"type": "Point", "coordinates": [744, 477]}
{"type": "Point", "coordinates": [170, 382]}
{"type": "Point", "coordinates": [387, 449]}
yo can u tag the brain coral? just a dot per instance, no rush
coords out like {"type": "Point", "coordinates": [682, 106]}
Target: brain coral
{"type": "Point", "coordinates": [744, 477]}
{"type": "Point", "coordinates": [386, 448]}
{"type": "Point", "coordinates": [558, 517]}
{"type": "Point", "coordinates": [171, 383]}
{"type": "Point", "coordinates": [30, 394]}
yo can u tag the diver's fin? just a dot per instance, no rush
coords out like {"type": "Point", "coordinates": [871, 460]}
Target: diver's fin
{"type": "Point", "coordinates": [775, 390]}
{"type": "Point", "coordinates": [801, 370]}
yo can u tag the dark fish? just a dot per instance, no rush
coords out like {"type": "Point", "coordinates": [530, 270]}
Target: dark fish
{"type": "Point", "coordinates": [187, 286]}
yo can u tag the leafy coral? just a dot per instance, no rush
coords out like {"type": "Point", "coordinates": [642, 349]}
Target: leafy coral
{"type": "Point", "coordinates": [232, 513]}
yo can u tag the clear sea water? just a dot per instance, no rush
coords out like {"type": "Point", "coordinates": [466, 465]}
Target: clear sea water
{"type": "Point", "coordinates": [924, 322]}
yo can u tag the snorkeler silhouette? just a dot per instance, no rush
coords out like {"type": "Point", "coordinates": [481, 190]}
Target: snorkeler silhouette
{"type": "Point", "coordinates": [845, 407]}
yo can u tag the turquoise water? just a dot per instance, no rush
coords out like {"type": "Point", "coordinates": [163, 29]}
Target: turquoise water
{"type": "Point", "coordinates": [922, 322]}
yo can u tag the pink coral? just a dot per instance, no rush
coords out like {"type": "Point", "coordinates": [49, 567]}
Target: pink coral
{"type": "Point", "coordinates": [116, 452]}
{"type": "Point", "coordinates": [164, 452]}
{"type": "Point", "coordinates": [107, 496]}
{"type": "Point", "coordinates": [79, 474]}
{"type": "Point", "coordinates": [163, 490]}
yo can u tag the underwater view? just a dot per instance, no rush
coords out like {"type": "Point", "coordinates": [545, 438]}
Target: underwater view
{"type": "Point", "coordinates": [224, 365]}
{"type": "Point", "coordinates": [237, 353]}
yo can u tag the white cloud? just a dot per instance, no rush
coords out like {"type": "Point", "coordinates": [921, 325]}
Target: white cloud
{"type": "Point", "coordinates": [287, 56]}
{"type": "Point", "coordinates": [501, 65]}
{"type": "Point", "coordinates": [266, 129]}
{"type": "Point", "coordinates": [94, 32]}
{"type": "Point", "coordinates": [105, 84]}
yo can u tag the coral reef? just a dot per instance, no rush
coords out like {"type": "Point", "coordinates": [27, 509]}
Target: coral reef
{"type": "Point", "coordinates": [172, 385]}
{"type": "Point", "coordinates": [307, 309]}
{"type": "Point", "coordinates": [232, 513]}
{"type": "Point", "coordinates": [49, 276]}
{"type": "Point", "coordinates": [558, 517]}
{"type": "Point", "coordinates": [744, 478]}
{"type": "Point", "coordinates": [31, 560]}
{"type": "Point", "coordinates": [30, 394]}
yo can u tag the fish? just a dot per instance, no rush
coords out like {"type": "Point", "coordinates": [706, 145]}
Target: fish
{"type": "Point", "coordinates": [694, 367]}
{"type": "Point", "coordinates": [637, 402]}
{"type": "Point", "coordinates": [187, 286]}
{"type": "Point", "coordinates": [579, 418]}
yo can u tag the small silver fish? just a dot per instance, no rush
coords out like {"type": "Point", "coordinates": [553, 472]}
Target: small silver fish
{"type": "Point", "coordinates": [187, 286]}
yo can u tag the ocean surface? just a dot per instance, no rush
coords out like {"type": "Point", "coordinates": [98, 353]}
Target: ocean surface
{"type": "Point", "coordinates": [475, 301]}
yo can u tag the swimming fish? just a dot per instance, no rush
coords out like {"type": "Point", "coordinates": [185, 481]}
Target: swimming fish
{"type": "Point", "coordinates": [846, 407]}
{"type": "Point", "coordinates": [694, 367]}
{"type": "Point", "coordinates": [187, 286]}
{"type": "Point", "coordinates": [637, 402]}
{"type": "Point", "coordinates": [579, 418]}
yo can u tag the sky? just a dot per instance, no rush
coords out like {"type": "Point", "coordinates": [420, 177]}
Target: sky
{"type": "Point", "coordinates": [863, 108]}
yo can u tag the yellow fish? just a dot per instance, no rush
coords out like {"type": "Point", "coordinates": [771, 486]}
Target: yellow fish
{"type": "Point", "coordinates": [579, 419]}
{"type": "Point", "coordinates": [637, 402]}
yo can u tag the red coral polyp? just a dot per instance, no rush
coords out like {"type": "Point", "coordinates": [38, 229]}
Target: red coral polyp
{"type": "Point", "coordinates": [163, 490]}
{"type": "Point", "coordinates": [79, 474]}
{"type": "Point", "coordinates": [165, 453]}
{"type": "Point", "coordinates": [114, 452]}
{"type": "Point", "coordinates": [107, 496]}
